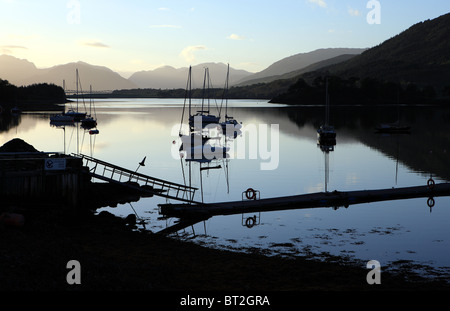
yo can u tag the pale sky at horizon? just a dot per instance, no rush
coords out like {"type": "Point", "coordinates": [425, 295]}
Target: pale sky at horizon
{"type": "Point", "coordinates": [129, 36]}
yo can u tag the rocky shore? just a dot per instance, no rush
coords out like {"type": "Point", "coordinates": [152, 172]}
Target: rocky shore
{"type": "Point", "coordinates": [114, 257]}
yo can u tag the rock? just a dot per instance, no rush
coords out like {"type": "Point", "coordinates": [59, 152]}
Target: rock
{"type": "Point", "coordinates": [130, 220]}
{"type": "Point", "coordinates": [17, 145]}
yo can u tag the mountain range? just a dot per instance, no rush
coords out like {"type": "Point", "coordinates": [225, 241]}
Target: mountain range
{"type": "Point", "coordinates": [168, 77]}
{"type": "Point", "coordinates": [418, 55]}
{"type": "Point", "coordinates": [290, 66]}
{"type": "Point", "coordinates": [411, 67]}
{"type": "Point", "coordinates": [23, 72]}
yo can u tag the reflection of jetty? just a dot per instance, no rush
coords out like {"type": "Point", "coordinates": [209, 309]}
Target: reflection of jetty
{"type": "Point", "coordinates": [313, 200]}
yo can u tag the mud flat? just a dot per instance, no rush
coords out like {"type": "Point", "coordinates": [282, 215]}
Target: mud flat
{"type": "Point", "coordinates": [114, 256]}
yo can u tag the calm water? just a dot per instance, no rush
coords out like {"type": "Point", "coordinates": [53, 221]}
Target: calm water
{"type": "Point", "coordinates": [131, 129]}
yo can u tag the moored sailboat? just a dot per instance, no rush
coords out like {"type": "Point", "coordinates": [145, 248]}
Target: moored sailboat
{"type": "Point", "coordinates": [77, 116]}
{"type": "Point", "coordinates": [89, 121]}
{"type": "Point", "coordinates": [326, 132]}
{"type": "Point", "coordinates": [203, 117]}
{"type": "Point", "coordinates": [230, 125]}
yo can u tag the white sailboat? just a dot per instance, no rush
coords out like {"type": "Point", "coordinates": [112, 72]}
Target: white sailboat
{"type": "Point", "coordinates": [196, 145]}
{"type": "Point", "coordinates": [77, 116]}
{"type": "Point", "coordinates": [203, 117]}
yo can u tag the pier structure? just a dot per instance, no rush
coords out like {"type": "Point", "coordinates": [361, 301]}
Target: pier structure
{"type": "Point", "coordinates": [132, 179]}
{"type": "Point", "coordinates": [33, 180]}
{"type": "Point", "coordinates": [313, 200]}
{"type": "Point", "coordinates": [40, 179]}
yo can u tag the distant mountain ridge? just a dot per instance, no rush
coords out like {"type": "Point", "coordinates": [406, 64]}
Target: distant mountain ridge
{"type": "Point", "coordinates": [292, 75]}
{"type": "Point", "coordinates": [168, 77]}
{"type": "Point", "coordinates": [297, 62]}
{"type": "Point", "coordinates": [22, 72]}
{"type": "Point", "coordinates": [412, 67]}
{"type": "Point", "coordinates": [14, 69]}
{"type": "Point", "coordinates": [419, 55]}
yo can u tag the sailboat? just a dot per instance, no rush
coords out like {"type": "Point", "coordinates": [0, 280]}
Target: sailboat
{"type": "Point", "coordinates": [61, 118]}
{"type": "Point", "coordinates": [326, 132]}
{"type": "Point", "coordinates": [89, 122]}
{"type": "Point", "coordinates": [197, 145]}
{"type": "Point", "coordinates": [77, 116]}
{"type": "Point", "coordinates": [230, 123]}
{"type": "Point", "coordinates": [203, 117]}
{"type": "Point", "coordinates": [394, 127]}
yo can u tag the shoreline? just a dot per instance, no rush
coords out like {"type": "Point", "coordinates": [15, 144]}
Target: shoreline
{"type": "Point", "coordinates": [113, 257]}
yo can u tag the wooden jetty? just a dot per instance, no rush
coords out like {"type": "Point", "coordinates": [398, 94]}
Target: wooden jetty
{"type": "Point", "coordinates": [34, 180]}
{"type": "Point", "coordinates": [131, 179]}
{"type": "Point", "coordinates": [313, 200]}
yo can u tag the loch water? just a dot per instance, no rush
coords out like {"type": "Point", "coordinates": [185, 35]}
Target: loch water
{"type": "Point", "coordinates": [277, 154]}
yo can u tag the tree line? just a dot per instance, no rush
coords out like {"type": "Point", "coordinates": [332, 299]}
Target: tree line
{"type": "Point", "coordinates": [354, 91]}
{"type": "Point", "coordinates": [42, 92]}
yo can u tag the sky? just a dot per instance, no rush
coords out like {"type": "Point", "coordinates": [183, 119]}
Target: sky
{"type": "Point", "coordinates": [134, 35]}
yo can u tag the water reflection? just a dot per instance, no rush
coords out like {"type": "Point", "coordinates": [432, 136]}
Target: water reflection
{"type": "Point", "coordinates": [361, 159]}
{"type": "Point", "coordinates": [327, 146]}
{"type": "Point", "coordinates": [424, 149]}
{"type": "Point", "coordinates": [8, 120]}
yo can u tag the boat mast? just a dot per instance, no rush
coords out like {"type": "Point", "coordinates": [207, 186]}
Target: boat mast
{"type": "Point", "coordinates": [204, 90]}
{"type": "Point", "coordinates": [187, 96]}
{"type": "Point", "coordinates": [327, 104]}
{"type": "Point", "coordinates": [90, 100]}
{"type": "Point", "coordinates": [77, 87]}
{"type": "Point", "coordinates": [208, 91]}
{"type": "Point", "coordinates": [225, 92]}
{"type": "Point", "coordinates": [190, 89]}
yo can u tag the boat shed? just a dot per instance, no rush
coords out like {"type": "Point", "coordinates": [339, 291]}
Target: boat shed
{"type": "Point", "coordinates": [32, 178]}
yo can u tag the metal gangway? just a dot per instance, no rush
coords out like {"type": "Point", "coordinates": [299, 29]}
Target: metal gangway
{"type": "Point", "coordinates": [119, 175]}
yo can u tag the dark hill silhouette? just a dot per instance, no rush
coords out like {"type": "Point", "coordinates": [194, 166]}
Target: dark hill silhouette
{"type": "Point", "coordinates": [30, 97]}
{"type": "Point", "coordinates": [413, 67]}
{"type": "Point", "coordinates": [419, 55]}
{"type": "Point", "coordinates": [296, 62]}
{"type": "Point", "coordinates": [293, 75]}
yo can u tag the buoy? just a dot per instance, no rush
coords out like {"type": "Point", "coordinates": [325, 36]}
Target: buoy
{"type": "Point", "coordinates": [12, 219]}
{"type": "Point", "coordinates": [250, 194]}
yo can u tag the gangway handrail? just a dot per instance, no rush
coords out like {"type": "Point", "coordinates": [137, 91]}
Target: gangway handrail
{"type": "Point", "coordinates": [164, 188]}
{"type": "Point", "coordinates": [143, 176]}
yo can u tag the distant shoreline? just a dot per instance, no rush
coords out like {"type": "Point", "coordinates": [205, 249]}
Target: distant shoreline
{"type": "Point", "coordinates": [341, 103]}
